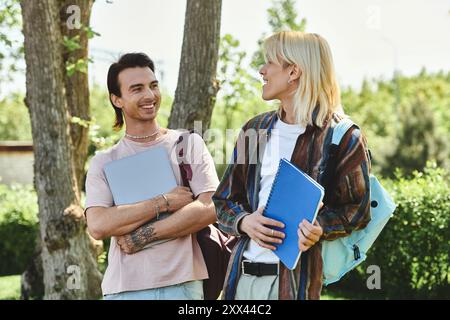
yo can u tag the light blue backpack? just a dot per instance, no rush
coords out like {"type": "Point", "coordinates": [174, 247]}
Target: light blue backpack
{"type": "Point", "coordinates": [343, 254]}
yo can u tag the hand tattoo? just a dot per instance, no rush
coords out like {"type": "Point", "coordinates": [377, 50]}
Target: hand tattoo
{"type": "Point", "coordinates": [136, 240]}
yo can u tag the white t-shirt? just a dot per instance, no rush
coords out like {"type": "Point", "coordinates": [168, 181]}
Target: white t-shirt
{"type": "Point", "coordinates": [280, 145]}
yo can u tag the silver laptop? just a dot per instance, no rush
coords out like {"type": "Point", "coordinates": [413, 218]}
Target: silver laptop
{"type": "Point", "coordinates": [140, 177]}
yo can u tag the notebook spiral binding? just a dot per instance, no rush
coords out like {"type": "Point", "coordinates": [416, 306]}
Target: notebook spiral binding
{"type": "Point", "coordinates": [273, 184]}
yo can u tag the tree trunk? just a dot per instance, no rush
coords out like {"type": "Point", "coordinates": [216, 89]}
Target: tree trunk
{"type": "Point", "coordinates": [70, 267]}
{"type": "Point", "coordinates": [32, 280]}
{"type": "Point", "coordinates": [77, 85]}
{"type": "Point", "coordinates": [197, 85]}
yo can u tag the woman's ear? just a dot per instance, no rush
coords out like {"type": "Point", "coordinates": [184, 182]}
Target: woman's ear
{"type": "Point", "coordinates": [295, 73]}
{"type": "Point", "coordinates": [117, 101]}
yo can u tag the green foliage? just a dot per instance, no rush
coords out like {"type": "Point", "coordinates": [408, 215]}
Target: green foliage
{"type": "Point", "coordinates": [81, 65]}
{"type": "Point", "coordinates": [14, 119]}
{"type": "Point", "coordinates": [236, 85]}
{"type": "Point", "coordinates": [10, 18]}
{"type": "Point", "coordinates": [413, 249]}
{"type": "Point", "coordinates": [91, 33]}
{"type": "Point", "coordinates": [101, 133]}
{"type": "Point", "coordinates": [11, 39]}
{"type": "Point", "coordinates": [419, 139]}
{"type": "Point", "coordinates": [237, 88]}
{"type": "Point", "coordinates": [282, 17]}
{"type": "Point", "coordinates": [18, 227]}
{"type": "Point", "coordinates": [405, 118]}
{"type": "Point", "coordinates": [73, 44]}
{"type": "Point", "coordinates": [102, 259]}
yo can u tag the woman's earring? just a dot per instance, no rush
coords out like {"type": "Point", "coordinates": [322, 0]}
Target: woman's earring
{"type": "Point", "coordinates": [289, 81]}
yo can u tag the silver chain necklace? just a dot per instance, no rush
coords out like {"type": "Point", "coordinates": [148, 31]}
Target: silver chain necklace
{"type": "Point", "coordinates": [142, 137]}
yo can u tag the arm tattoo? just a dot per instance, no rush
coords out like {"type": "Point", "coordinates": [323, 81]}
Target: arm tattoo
{"type": "Point", "coordinates": [140, 237]}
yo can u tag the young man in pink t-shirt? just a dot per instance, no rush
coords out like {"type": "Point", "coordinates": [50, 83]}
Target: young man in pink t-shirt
{"type": "Point", "coordinates": [168, 270]}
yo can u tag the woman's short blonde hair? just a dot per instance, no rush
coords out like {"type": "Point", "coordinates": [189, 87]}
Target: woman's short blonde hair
{"type": "Point", "coordinates": [317, 84]}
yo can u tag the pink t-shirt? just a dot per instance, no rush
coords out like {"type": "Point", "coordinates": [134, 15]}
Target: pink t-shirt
{"type": "Point", "coordinates": [168, 263]}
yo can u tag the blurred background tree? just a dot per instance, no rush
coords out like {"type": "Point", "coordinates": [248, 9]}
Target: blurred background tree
{"type": "Point", "coordinates": [282, 15]}
{"type": "Point", "coordinates": [419, 138]}
{"type": "Point", "coordinates": [197, 86]}
{"type": "Point", "coordinates": [14, 118]}
{"type": "Point", "coordinates": [11, 40]}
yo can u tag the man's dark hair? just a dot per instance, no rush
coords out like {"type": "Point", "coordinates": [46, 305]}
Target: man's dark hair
{"type": "Point", "coordinates": [129, 60]}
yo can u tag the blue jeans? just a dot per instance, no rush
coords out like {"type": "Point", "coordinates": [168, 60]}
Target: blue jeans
{"type": "Point", "coordinates": [191, 290]}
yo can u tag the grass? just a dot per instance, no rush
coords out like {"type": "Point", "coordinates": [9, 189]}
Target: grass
{"type": "Point", "coordinates": [331, 297]}
{"type": "Point", "coordinates": [10, 287]}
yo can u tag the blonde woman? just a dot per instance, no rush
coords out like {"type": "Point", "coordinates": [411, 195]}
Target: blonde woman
{"type": "Point", "coordinates": [299, 73]}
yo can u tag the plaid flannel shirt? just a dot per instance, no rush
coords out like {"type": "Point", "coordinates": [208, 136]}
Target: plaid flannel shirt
{"type": "Point", "coordinates": [348, 207]}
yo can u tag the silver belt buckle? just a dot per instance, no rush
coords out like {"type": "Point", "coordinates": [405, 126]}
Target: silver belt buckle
{"type": "Point", "coordinates": [242, 267]}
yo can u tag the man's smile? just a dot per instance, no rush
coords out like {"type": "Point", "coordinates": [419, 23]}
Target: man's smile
{"type": "Point", "coordinates": [148, 105]}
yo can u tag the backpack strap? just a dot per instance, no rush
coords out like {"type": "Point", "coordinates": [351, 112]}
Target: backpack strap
{"type": "Point", "coordinates": [331, 163]}
{"type": "Point", "coordinates": [181, 151]}
{"type": "Point", "coordinates": [216, 245]}
{"type": "Point", "coordinates": [341, 129]}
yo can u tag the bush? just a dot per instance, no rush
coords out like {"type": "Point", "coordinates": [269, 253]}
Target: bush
{"type": "Point", "coordinates": [14, 118]}
{"type": "Point", "coordinates": [18, 227]}
{"type": "Point", "coordinates": [413, 249]}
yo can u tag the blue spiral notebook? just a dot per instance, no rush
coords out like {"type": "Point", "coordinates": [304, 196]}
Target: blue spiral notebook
{"type": "Point", "coordinates": [294, 196]}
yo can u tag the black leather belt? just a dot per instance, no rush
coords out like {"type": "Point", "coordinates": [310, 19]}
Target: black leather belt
{"type": "Point", "coordinates": [259, 269]}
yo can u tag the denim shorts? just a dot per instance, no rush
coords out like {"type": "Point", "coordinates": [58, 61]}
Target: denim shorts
{"type": "Point", "coordinates": [191, 290]}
